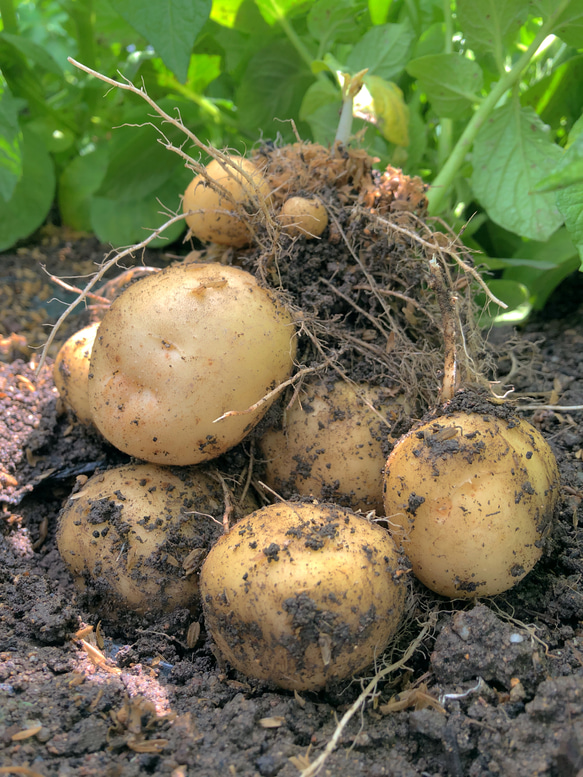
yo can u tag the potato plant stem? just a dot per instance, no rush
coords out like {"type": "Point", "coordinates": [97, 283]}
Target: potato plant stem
{"type": "Point", "coordinates": [440, 186]}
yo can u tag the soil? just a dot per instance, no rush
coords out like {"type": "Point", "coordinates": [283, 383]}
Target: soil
{"type": "Point", "coordinates": [494, 688]}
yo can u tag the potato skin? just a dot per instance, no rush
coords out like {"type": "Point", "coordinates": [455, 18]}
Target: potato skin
{"type": "Point", "coordinates": [331, 446]}
{"type": "Point", "coordinates": [304, 216]}
{"type": "Point", "coordinates": [178, 349]}
{"type": "Point", "coordinates": [215, 217]}
{"type": "Point", "coordinates": [471, 497]}
{"type": "Point", "coordinates": [126, 534]}
{"type": "Point", "coordinates": [301, 595]}
{"type": "Point", "coordinates": [71, 372]}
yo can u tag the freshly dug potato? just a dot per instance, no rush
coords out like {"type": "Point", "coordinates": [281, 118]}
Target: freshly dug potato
{"type": "Point", "coordinates": [71, 370]}
{"type": "Point", "coordinates": [304, 216]}
{"type": "Point", "coordinates": [216, 217]}
{"type": "Point", "coordinates": [177, 350]}
{"type": "Point", "coordinates": [331, 446]}
{"type": "Point", "coordinates": [471, 497]}
{"type": "Point", "coordinates": [301, 595]}
{"type": "Point", "coordinates": [136, 534]}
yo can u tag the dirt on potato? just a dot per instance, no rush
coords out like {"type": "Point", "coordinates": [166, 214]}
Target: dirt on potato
{"type": "Point", "coordinates": [496, 686]}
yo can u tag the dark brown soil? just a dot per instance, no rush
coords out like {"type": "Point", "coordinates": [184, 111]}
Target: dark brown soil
{"type": "Point", "coordinates": [496, 687]}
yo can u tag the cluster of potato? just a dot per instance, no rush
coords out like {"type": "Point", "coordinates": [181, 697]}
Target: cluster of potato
{"type": "Point", "coordinates": [184, 364]}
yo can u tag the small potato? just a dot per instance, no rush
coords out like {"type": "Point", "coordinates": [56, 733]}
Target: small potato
{"type": "Point", "coordinates": [304, 216]}
{"type": "Point", "coordinates": [136, 534]}
{"type": "Point", "coordinates": [331, 446]}
{"type": "Point", "coordinates": [471, 497]}
{"type": "Point", "coordinates": [216, 217]}
{"type": "Point", "coordinates": [71, 370]}
{"type": "Point", "coordinates": [301, 595]}
{"type": "Point", "coordinates": [180, 348]}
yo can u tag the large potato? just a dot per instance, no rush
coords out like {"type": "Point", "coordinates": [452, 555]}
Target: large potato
{"type": "Point", "coordinates": [132, 533]}
{"type": "Point", "coordinates": [301, 595]}
{"type": "Point", "coordinates": [471, 496]}
{"type": "Point", "coordinates": [71, 372]}
{"type": "Point", "coordinates": [331, 446]}
{"type": "Point", "coordinates": [177, 350]}
{"type": "Point", "coordinates": [217, 214]}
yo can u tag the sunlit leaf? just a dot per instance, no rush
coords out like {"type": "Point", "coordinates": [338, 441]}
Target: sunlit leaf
{"type": "Point", "coordinates": [569, 25]}
{"type": "Point", "coordinates": [274, 10]}
{"type": "Point", "coordinates": [388, 110]}
{"type": "Point", "coordinates": [512, 152]}
{"type": "Point", "coordinates": [379, 10]}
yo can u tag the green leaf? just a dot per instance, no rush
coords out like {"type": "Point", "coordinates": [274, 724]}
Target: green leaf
{"type": "Point", "coordinates": [10, 144]}
{"type": "Point", "coordinates": [569, 25]}
{"type": "Point", "coordinates": [170, 26]}
{"type": "Point", "coordinates": [512, 152]}
{"type": "Point", "coordinates": [379, 10]}
{"type": "Point", "coordinates": [451, 82]}
{"type": "Point", "coordinates": [384, 50]}
{"type": "Point", "coordinates": [488, 24]}
{"type": "Point", "coordinates": [330, 21]}
{"type": "Point", "coordinates": [130, 221]}
{"type": "Point", "coordinates": [570, 198]}
{"type": "Point", "coordinates": [562, 178]}
{"type": "Point", "coordinates": [225, 12]}
{"type": "Point", "coordinates": [514, 294]}
{"type": "Point", "coordinates": [274, 10]}
{"type": "Point", "coordinates": [323, 122]}
{"type": "Point", "coordinates": [78, 182]}
{"type": "Point", "coordinates": [138, 164]}
{"type": "Point", "coordinates": [558, 96]}
{"type": "Point", "coordinates": [321, 92]}
{"type": "Point", "coordinates": [38, 55]}
{"type": "Point", "coordinates": [33, 195]}
{"type": "Point", "coordinates": [272, 89]}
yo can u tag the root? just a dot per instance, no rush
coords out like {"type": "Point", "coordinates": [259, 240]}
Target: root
{"type": "Point", "coordinates": [367, 693]}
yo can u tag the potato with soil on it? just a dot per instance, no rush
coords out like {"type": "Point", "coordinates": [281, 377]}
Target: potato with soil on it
{"type": "Point", "coordinates": [332, 445]}
{"type": "Point", "coordinates": [218, 214]}
{"type": "Point", "coordinates": [302, 594]}
{"type": "Point", "coordinates": [135, 536]}
{"type": "Point", "coordinates": [471, 498]}
{"type": "Point", "coordinates": [71, 372]}
{"type": "Point", "coordinates": [179, 349]}
{"type": "Point", "coordinates": [305, 216]}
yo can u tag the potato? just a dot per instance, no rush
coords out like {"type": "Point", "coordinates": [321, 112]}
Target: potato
{"type": "Point", "coordinates": [219, 218]}
{"type": "Point", "coordinates": [304, 216]}
{"type": "Point", "coordinates": [180, 348]}
{"type": "Point", "coordinates": [471, 497]}
{"type": "Point", "coordinates": [71, 370]}
{"type": "Point", "coordinates": [301, 595]}
{"type": "Point", "coordinates": [331, 446]}
{"type": "Point", "coordinates": [132, 535]}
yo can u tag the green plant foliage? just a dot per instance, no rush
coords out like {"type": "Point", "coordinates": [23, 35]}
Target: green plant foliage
{"type": "Point", "coordinates": [481, 98]}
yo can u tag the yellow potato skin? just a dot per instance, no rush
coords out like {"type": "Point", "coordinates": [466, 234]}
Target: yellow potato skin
{"type": "Point", "coordinates": [301, 595]}
{"type": "Point", "coordinates": [304, 216]}
{"type": "Point", "coordinates": [180, 348]}
{"type": "Point", "coordinates": [331, 446]}
{"type": "Point", "coordinates": [215, 217]}
{"type": "Point", "coordinates": [128, 531]}
{"type": "Point", "coordinates": [471, 497]}
{"type": "Point", "coordinates": [71, 372]}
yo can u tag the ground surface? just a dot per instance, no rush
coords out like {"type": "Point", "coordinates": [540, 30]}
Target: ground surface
{"type": "Point", "coordinates": [495, 688]}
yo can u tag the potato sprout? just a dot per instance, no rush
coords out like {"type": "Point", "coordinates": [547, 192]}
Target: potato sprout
{"type": "Point", "coordinates": [181, 348]}
{"type": "Point", "coordinates": [301, 595]}
{"type": "Point", "coordinates": [471, 498]}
